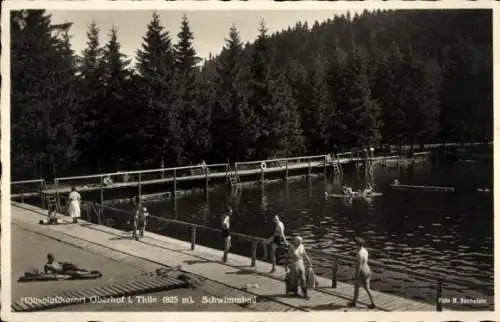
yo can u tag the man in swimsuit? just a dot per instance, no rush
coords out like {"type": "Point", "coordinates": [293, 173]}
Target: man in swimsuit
{"type": "Point", "coordinates": [275, 240]}
{"type": "Point", "coordinates": [226, 232]}
{"type": "Point", "coordinates": [54, 267]}
{"type": "Point", "coordinates": [363, 274]}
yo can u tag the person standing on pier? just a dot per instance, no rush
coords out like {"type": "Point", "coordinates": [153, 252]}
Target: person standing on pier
{"type": "Point", "coordinates": [74, 204]}
{"type": "Point", "coordinates": [138, 219]}
{"type": "Point", "coordinates": [363, 273]}
{"type": "Point", "coordinates": [297, 273]}
{"type": "Point", "coordinates": [275, 240]}
{"type": "Point", "coordinates": [226, 233]}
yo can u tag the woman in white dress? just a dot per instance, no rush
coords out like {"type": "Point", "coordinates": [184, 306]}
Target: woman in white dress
{"type": "Point", "coordinates": [74, 204]}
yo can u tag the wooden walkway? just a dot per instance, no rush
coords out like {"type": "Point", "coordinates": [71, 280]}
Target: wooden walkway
{"type": "Point", "coordinates": [205, 262]}
{"type": "Point", "coordinates": [242, 173]}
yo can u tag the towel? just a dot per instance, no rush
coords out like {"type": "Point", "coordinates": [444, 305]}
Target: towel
{"type": "Point", "coordinates": [310, 278]}
{"type": "Point", "coordinates": [81, 275]}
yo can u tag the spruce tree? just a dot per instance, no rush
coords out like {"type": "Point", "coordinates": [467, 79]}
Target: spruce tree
{"type": "Point", "coordinates": [226, 125]}
{"type": "Point", "coordinates": [192, 113]}
{"type": "Point", "coordinates": [156, 69]}
{"type": "Point", "coordinates": [117, 121]}
{"type": "Point", "coordinates": [91, 83]}
{"type": "Point", "coordinates": [43, 97]}
{"type": "Point", "coordinates": [319, 113]}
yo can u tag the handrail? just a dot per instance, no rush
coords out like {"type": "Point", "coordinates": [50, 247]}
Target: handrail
{"type": "Point", "coordinates": [282, 159]}
{"type": "Point", "coordinates": [337, 257]}
{"type": "Point", "coordinates": [27, 181]}
{"type": "Point", "coordinates": [208, 166]}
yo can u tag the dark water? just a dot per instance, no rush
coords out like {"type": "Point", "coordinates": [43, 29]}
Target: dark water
{"type": "Point", "coordinates": [438, 233]}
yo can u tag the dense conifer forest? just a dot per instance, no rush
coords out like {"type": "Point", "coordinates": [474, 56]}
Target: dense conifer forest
{"type": "Point", "coordinates": [384, 77]}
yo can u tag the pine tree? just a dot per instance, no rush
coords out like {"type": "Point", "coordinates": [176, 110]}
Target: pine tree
{"type": "Point", "coordinates": [226, 125]}
{"type": "Point", "coordinates": [191, 111]}
{"type": "Point", "coordinates": [422, 105]}
{"type": "Point", "coordinates": [283, 120]}
{"type": "Point", "coordinates": [391, 90]}
{"type": "Point", "coordinates": [363, 122]}
{"type": "Point", "coordinates": [117, 121]}
{"type": "Point", "coordinates": [319, 111]}
{"type": "Point", "coordinates": [261, 96]}
{"type": "Point", "coordinates": [91, 83]}
{"type": "Point", "coordinates": [156, 69]}
{"type": "Point", "coordinates": [43, 96]}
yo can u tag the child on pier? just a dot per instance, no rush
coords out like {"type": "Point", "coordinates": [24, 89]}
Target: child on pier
{"type": "Point", "coordinates": [139, 218]}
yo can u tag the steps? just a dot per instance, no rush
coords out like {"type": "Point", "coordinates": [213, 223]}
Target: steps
{"type": "Point", "coordinates": [50, 199]}
{"type": "Point", "coordinates": [337, 168]}
{"type": "Point", "coordinates": [234, 178]}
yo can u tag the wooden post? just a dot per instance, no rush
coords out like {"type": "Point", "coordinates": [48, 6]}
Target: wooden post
{"type": "Point", "coordinates": [227, 172]}
{"type": "Point", "coordinates": [286, 171]}
{"type": "Point", "coordinates": [206, 183]}
{"type": "Point", "coordinates": [58, 203]}
{"type": "Point", "coordinates": [175, 183]}
{"type": "Point", "coordinates": [139, 188]}
{"type": "Point", "coordinates": [99, 212]}
{"type": "Point", "coordinates": [309, 170]}
{"type": "Point", "coordinates": [439, 305]}
{"type": "Point", "coordinates": [254, 252]}
{"type": "Point", "coordinates": [162, 167]}
{"type": "Point", "coordinates": [335, 269]}
{"type": "Point", "coordinates": [324, 168]}
{"type": "Point", "coordinates": [261, 175]}
{"type": "Point", "coordinates": [193, 237]}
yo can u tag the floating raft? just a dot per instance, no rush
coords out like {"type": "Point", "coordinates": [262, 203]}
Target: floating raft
{"type": "Point", "coordinates": [355, 196]}
{"type": "Point", "coordinates": [423, 188]}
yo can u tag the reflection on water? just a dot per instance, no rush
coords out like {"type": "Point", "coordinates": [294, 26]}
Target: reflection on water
{"type": "Point", "coordinates": [450, 234]}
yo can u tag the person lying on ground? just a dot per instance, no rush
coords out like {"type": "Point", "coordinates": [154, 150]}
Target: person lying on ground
{"type": "Point", "coordinates": [54, 267]}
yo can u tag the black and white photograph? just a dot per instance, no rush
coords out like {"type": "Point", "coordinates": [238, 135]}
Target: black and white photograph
{"type": "Point", "coordinates": [250, 160]}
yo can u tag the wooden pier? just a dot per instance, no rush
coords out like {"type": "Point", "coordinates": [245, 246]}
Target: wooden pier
{"type": "Point", "coordinates": [246, 274]}
{"type": "Point", "coordinates": [422, 188]}
{"type": "Point", "coordinates": [253, 171]}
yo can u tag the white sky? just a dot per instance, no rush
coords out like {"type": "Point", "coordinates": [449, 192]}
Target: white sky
{"type": "Point", "coordinates": [210, 28]}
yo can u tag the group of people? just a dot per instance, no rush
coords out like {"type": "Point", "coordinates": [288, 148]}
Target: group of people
{"type": "Point", "coordinates": [297, 274]}
{"type": "Point", "coordinates": [347, 191]}
{"type": "Point", "coordinates": [137, 220]}
{"type": "Point", "coordinates": [74, 211]}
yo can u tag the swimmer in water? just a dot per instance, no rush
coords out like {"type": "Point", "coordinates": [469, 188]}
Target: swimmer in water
{"type": "Point", "coordinates": [395, 182]}
{"type": "Point", "coordinates": [368, 190]}
{"type": "Point", "coordinates": [275, 240]}
{"type": "Point", "coordinates": [226, 233]}
{"type": "Point", "coordinates": [347, 190]}
{"type": "Point", "coordinates": [363, 273]}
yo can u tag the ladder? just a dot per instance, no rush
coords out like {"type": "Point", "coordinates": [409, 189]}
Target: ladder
{"type": "Point", "coordinates": [50, 199]}
{"type": "Point", "coordinates": [234, 178]}
{"type": "Point", "coordinates": [337, 168]}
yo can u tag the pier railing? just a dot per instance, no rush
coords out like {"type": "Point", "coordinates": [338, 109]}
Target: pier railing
{"type": "Point", "coordinates": [21, 189]}
{"type": "Point", "coordinates": [337, 260]}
